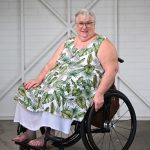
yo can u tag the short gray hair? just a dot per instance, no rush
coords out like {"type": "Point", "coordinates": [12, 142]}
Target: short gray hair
{"type": "Point", "coordinates": [85, 12]}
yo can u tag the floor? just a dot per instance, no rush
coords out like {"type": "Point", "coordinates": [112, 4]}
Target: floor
{"type": "Point", "coordinates": [8, 130]}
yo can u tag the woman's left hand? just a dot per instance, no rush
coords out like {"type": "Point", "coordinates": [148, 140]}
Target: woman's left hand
{"type": "Point", "coordinates": [98, 101]}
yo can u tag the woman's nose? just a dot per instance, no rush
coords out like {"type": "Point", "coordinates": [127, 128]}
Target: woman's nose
{"type": "Point", "coordinates": [84, 25]}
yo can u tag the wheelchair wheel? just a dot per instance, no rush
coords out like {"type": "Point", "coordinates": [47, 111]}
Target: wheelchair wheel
{"type": "Point", "coordinates": [116, 131]}
{"type": "Point", "coordinates": [71, 138]}
{"type": "Point", "coordinates": [83, 133]}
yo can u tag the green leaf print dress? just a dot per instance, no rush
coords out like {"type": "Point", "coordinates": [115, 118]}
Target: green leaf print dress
{"type": "Point", "coordinates": [68, 89]}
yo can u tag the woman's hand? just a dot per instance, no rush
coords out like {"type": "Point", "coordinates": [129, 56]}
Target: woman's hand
{"type": "Point", "coordinates": [31, 83]}
{"type": "Point", "coordinates": [98, 101]}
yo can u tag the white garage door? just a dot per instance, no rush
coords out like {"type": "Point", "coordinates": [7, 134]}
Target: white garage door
{"type": "Point", "coordinates": [30, 30]}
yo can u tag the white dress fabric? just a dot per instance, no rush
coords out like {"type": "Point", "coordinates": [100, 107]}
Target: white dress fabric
{"type": "Point", "coordinates": [34, 120]}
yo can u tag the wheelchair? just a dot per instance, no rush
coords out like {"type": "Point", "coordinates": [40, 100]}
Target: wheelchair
{"type": "Point", "coordinates": [113, 127]}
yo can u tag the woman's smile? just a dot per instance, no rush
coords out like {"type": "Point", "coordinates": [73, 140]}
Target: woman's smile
{"type": "Point", "coordinates": [85, 27]}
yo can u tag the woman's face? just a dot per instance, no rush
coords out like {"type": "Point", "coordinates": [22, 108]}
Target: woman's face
{"type": "Point", "coordinates": [85, 27]}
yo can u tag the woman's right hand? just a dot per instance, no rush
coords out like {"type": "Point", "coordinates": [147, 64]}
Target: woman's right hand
{"type": "Point", "coordinates": [31, 84]}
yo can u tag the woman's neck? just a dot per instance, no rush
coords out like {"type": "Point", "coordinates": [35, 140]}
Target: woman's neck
{"type": "Point", "coordinates": [80, 43]}
{"type": "Point", "coordinates": [85, 39]}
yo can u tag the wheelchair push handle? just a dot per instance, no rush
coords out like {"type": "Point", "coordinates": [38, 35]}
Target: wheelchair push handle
{"type": "Point", "coordinates": [120, 60]}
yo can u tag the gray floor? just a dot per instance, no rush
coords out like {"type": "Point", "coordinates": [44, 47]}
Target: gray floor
{"type": "Point", "coordinates": [8, 130]}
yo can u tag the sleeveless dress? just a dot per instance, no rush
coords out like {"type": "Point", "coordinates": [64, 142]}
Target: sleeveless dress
{"type": "Point", "coordinates": [65, 93]}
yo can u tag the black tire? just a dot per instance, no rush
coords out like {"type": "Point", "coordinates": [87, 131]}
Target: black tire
{"type": "Point", "coordinates": [83, 132]}
{"type": "Point", "coordinates": [117, 133]}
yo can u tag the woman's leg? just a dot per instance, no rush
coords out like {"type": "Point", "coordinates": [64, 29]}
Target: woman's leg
{"type": "Point", "coordinates": [39, 142]}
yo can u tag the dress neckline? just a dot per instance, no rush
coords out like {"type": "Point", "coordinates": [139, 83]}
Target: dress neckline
{"type": "Point", "coordinates": [86, 45]}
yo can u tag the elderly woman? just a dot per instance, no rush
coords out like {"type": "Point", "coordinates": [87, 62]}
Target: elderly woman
{"type": "Point", "coordinates": [79, 73]}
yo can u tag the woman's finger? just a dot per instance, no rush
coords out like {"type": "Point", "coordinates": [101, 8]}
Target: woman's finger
{"type": "Point", "coordinates": [28, 85]}
{"type": "Point", "coordinates": [35, 85]}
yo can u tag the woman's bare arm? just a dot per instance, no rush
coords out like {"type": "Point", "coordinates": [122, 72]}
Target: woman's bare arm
{"type": "Point", "coordinates": [109, 60]}
{"type": "Point", "coordinates": [49, 66]}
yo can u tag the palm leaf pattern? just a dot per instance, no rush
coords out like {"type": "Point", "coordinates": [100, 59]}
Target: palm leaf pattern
{"type": "Point", "coordinates": [67, 89]}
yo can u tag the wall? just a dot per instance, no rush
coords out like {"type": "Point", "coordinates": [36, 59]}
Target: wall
{"type": "Point", "coordinates": [133, 46]}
